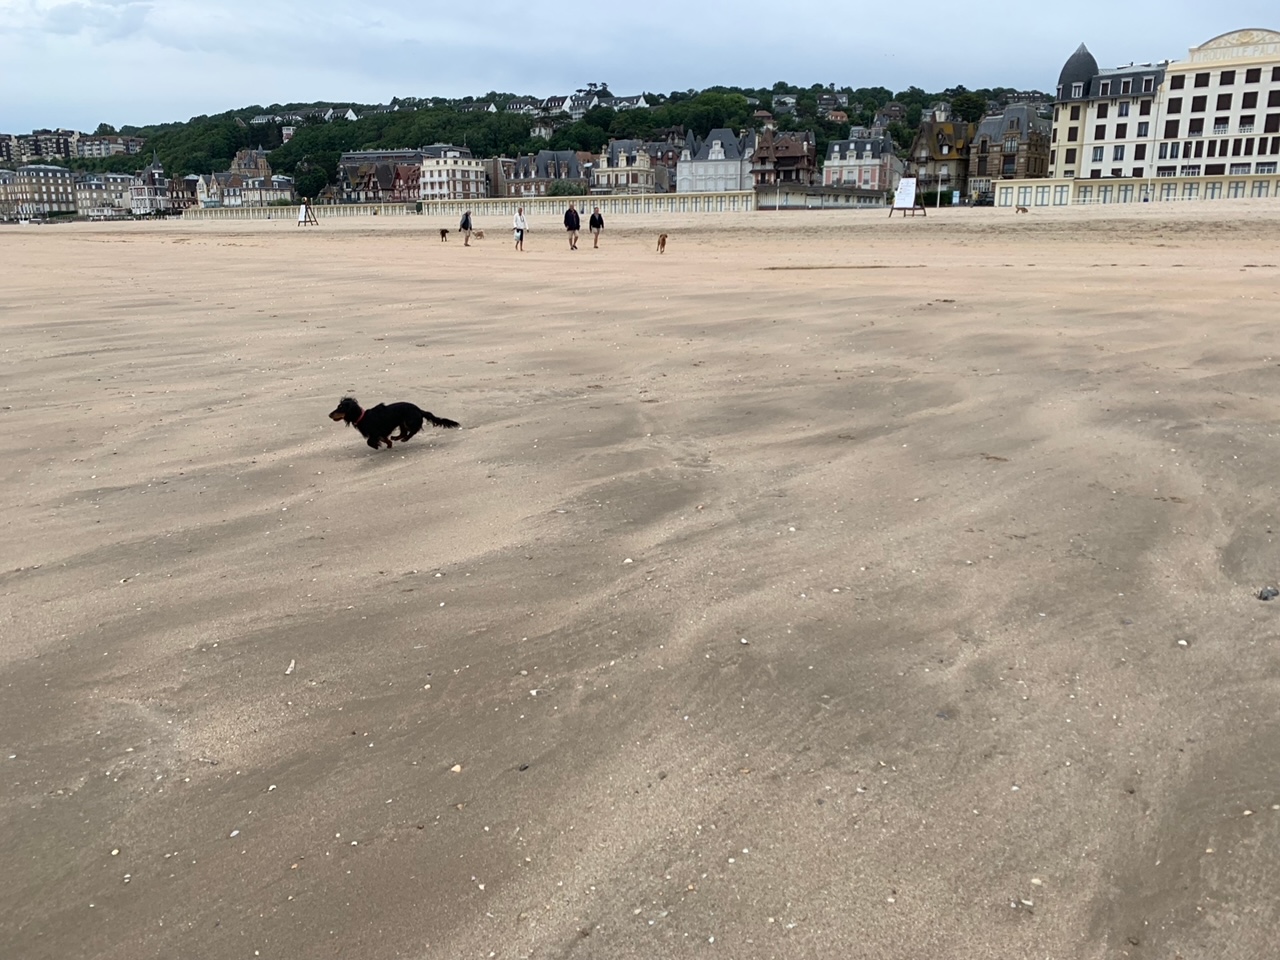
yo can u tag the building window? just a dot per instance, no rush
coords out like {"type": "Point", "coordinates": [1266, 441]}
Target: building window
{"type": "Point", "coordinates": [1175, 105]}
{"type": "Point", "coordinates": [1102, 109]}
{"type": "Point", "coordinates": [1164, 151]}
{"type": "Point", "coordinates": [1104, 90]}
{"type": "Point", "coordinates": [1123, 109]}
{"type": "Point", "coordinates": [1177, 81]}
{"type": "Point", "coordinates": [1195, 127]}
{"type": "Point", "coordinates": [1238, 169]}
{"type": "Point", "coordinates": [1140, 151]}
{"type": "Point", "coordinates": [1272, 123]}
{"type": "Point", "coordinates": [1273, 98]}
{"type": "Point", "coordinates": [1072, 134]}
{"type": "Point", "coordinates": [1122, 131]}
{"type": "Point", "coordinates": [1144, 129]}
{"type": "Point", "coordinates": [1226, 78]}
{"type": "Point", "coordinates": [1275, 74]}
{"type": "Point", "coordinates": [1224, 101]}
{"type": "Point", "coordinates": [1097, 154]}
{"type": "Point", "coordinates": [1117, 154]}
{"type": "Point", "coordinates": [1215, 169]}
{"type": "Point", "coordinates": [1202, 79]}
{"type": "Point", "coordinates": [1198, 104]}
{"type": "Point", "coordinates": [1170, 129]}
{"type": "Point", "coordinates": [1100, 132]}
{"type": "Point", "coordinates": [1190, 170]}
{"type": "Point", "coordinates": [1070, 155]}
{"type": "Point", "coordinates": [1144, 108]}
{"type": "Point", "coordinates": [1149, 84]}
{"type": "Point", "coordinates": [1246, 123]}
{"type": "Point", "coordinates": [1077, 90]}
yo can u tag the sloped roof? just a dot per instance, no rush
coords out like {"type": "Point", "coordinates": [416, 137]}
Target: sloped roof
{"type": "Point", "coordinates": [1081, 67]}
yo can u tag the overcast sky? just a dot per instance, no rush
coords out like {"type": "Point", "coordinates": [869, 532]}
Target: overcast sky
{"type": "Point", "coordinates": [75, 63]}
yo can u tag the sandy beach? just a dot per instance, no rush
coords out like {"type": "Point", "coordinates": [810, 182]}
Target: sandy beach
{"type": "Point", "coordinates": [829, 586]}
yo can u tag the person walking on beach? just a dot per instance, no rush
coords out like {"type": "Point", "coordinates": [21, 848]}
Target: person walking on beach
{"type": "Point", "coordinates": [596, 224]}
{"type": "Point", "coordinates": [519, 226]}
{"type": "Point", "coordinates": [465, 227]}
{"type": "Point", "coordinates": [572, 223]}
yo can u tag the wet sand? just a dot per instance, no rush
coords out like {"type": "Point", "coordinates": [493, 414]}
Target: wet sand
{"type": "Point", "coordinates": [825, 587]}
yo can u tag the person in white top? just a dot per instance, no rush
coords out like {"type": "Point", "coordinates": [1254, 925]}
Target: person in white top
{"type": "Point", "coordinates": [519, 226]}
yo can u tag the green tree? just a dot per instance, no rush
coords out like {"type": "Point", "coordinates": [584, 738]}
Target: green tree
{"type": "Point", "coordinates": [969, 107]}
{"type": "Point", "coordinates": [105, 130]}
{"type": "Point", "coordinates": [566, 188]}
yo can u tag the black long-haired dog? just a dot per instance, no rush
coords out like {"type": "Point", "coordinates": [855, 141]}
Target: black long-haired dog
{"type": "Point", "coordinates": [377, 423]}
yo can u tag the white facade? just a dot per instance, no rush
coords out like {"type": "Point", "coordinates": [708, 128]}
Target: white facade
{"type": "Point", "coordinates": [723, 163]}
{"type": "Point", "coordinates": [1217, 113]}
{"type": "Point", "coordinates": [453, 178]}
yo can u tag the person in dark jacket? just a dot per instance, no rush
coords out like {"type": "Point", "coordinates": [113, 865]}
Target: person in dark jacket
{"type": "Point", "coordinates": [596, 224]}
{"type": "Point", "coordinates": [465, 227]}
{"type": "Point", "coordinates": [572, 223]}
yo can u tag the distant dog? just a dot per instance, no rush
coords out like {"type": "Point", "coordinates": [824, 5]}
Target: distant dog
{"type": "Point", "coordinates": [444, 235]}
{"type": "Point", "coordinates": [662, 243]}
{"type": "Point", "coordinates": [1019, 209]}
{"type": "Point", "coordinates": [477, 234]}
{"type": "Point", "coordinates": [377, 423]}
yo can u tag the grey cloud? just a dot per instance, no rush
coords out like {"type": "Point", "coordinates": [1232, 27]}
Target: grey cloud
{"type": "Point", "coordinates": [101, 20]}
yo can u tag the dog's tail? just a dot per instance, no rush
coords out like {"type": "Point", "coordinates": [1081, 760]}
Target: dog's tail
{"type": "Point", "coordinates": [435, 421]}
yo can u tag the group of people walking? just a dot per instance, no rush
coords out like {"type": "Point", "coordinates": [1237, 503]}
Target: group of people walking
{"type": "Point", "coordinates": [520, 226]}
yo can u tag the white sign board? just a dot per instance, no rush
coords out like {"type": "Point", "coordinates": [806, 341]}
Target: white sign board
{"type": "Point", "coordinates": [955, 198]}
{"type": "Point", "coordinates": [302, 213]}
{"type": "Point", "coordinates": [904, 198]}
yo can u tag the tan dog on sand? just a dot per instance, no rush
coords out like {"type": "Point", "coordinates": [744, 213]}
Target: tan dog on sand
{"type": "Point", "coordinates": [662, 243]}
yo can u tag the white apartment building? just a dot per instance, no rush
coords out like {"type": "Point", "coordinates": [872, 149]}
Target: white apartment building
{"type": "Point", "coordinates": [453, 177]}
{"type": "Point", "coordinates": [721, 162]}
{"type": "Point", "coordinates": [1200, 128]}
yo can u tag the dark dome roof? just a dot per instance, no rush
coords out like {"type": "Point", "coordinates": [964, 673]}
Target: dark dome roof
{"type": "Point", "coordinates": [1079, 68]}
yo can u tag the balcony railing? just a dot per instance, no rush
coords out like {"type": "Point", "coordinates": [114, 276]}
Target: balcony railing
{"type": "Point", "coordinates": [1220, 131]}
{"type": "Point", "coordinates": [1246, 128]}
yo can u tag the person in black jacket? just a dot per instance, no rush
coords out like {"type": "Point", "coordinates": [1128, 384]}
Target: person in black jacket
{"type": "Point", "coordinates": [465, 227]}
{"type": "Point", "coordinates": [596, 224]}
{"type": "Point", "coordinates": [572, 223]}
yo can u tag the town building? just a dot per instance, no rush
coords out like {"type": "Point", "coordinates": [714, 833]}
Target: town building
{"type": "Point", "coordinates": [526, 106]}
{"type": "Point", "coordinates": [41, 190]}
{"type": "Point", "coordinates": [624, 167]}
{"type": "Point", "coordinates": [534, 174]}
{"type": "Point", "coordinates": [1206, 127]}
{"type": "Point", "coordinates": [1105, 122]}
{"type": "Point", "coordinates": [251, 163]}
{"type": "Point", "coordinates": [150, 190]}
{"type": "Point", "coordinates": [868, 163]}
{"type": "Point", "coordinates": [719, 163]}
{"type": "Point", "coordinates": [108, 146]}
{"type": "Point", "coordinates": [939, 157]}
{"type": "Point", "coordinates": [1010, 145]}
{"type": "Point", "coordinates": [453, 176]}
{"type": "Point", "coordinates": [784, 157]}
{"type": "Point", "coordinates": [104, 196]}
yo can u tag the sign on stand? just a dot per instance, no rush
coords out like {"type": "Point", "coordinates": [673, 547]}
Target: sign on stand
{"type": "Point", "coordinates": [904, 198]}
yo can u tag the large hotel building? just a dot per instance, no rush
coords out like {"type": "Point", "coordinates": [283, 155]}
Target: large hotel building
{"type": "Point", "coordinates": [1201, 128]}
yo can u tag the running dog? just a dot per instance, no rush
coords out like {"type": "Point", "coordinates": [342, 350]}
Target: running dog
{"type": "Point", "coordinates": [444, 235]}
{"type": "Point", "coordinates": [662, 243]}
{"type": "Point", "coordinates": [1019, 209]}
{"type": "Point", "coordinates": [377, 423]}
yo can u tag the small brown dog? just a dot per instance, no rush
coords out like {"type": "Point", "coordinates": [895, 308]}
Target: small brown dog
{"type": "Point", "coordinates": [477, 234]}
{"type": "Point", "coordinates": [1019, 209]}
{"type": "Point", "coordinates": [444, 235]}
{"type": "Point", "coordinates": [662, 243]}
